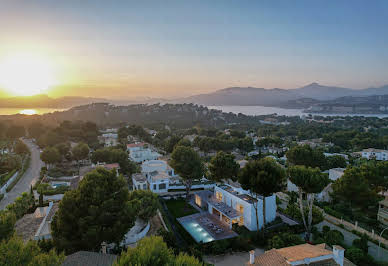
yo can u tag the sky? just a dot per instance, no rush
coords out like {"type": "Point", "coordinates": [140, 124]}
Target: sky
{"type": "Point", "coordinates": [123, 49]}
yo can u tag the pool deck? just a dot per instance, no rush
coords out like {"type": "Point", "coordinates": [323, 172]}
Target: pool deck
{"type": "Point", "coordinates": [216, 228]}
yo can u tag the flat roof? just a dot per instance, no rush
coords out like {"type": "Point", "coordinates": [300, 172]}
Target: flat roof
{"type": "Point", "coordinates": [139, 177]}
{"type": "Point", "coordinates": [244, 197]}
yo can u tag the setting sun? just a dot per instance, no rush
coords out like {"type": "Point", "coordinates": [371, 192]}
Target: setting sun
{"type": "Point", "coordinates": [26, 75]}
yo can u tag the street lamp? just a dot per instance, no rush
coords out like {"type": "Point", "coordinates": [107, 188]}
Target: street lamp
{"type": "Point", "coordinates": [378, 253]}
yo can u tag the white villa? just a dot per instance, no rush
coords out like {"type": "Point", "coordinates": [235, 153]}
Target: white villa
{"type": "Point", "coordinates": [109, 139]}
{"type": "Point", "coordinates": [139, 152]}
{"type": "Point", "coordinates": [380, 155]}
{"type": "Point", "coordinates": [234, 205]}
{"type": "Point", "coordinates": [159, 177]}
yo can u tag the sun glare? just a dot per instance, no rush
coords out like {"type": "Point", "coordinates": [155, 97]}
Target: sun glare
{"type": "Point", "coordinates": [26, 75]}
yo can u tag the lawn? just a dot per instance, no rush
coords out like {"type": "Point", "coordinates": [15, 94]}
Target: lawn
{"type": "Point", "coordinates": [179, 208]}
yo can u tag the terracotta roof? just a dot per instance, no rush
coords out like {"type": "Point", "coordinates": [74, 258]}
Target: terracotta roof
{"type": "Point", "coordinates": [111, 166]}
{"type": "Point", "coordinates": [132, 145]}
{"type": "Point", "coordinates": [270, 258]}
{"type": "Point", "coordinates": [86, 258]}
{"type": "Point", "coordinates": [300, 252]}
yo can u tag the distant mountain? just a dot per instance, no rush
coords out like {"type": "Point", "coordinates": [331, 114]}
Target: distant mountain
{"type": "Point", "coordinates": [43, 101]}
{"type": "Point", "coordinates": [276, 96]}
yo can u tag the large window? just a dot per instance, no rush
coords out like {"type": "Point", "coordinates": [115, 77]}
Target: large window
{"type": "Point", "coordinates": [162, 186]}
{"type": "Point", "coordinates": [219, 196]}
{"type": "Point", "coordinates": [240, 208]}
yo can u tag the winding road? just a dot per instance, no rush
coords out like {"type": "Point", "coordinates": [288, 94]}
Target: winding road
{"type": "Point", "coordinates": [29, 178]}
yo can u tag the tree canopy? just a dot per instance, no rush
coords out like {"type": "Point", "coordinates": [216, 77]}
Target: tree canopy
{"type": "Point", "coordinates": [188, 165]}
{"type": "Point", "coordinates": [223, 166]}
{"type": "Point", "coordinates": [305, 155]}
{"type": "Point", "coordinates": [151, 251]}
{"type": "Point", "coordinates": [262, 177]}
{"type": "Point", "coordinates": [16, 253]}
{"type": "Point", "coordinates": [98, 210]}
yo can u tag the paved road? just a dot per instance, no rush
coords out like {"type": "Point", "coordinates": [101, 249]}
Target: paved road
{"type": "Point", "coordinates": [373, 250]}
{"type": "Point", "coordinates": [29, 178]}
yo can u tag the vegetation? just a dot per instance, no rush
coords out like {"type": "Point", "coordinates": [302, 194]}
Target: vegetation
{"type": "Point", "coordinates": [112, 155]}
{"type": "Point", "coordinates": [223, 167]}
{"type": "Point", "coordinates": [152, 251]}
{"type": "Point", "coordinates": [309, 181]}
{"type": "Point", "coordinates": [98, 210]}
{"type": "Point", "coordinates": [15, 252]}
{"type": "Point", "coordinates": [179, 208]}
{"type": "Point", "coordinates": [188, 165]}
{"type": "Point", "coordinates": [263, 177]}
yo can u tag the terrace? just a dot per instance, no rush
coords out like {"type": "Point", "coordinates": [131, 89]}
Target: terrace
{"type": "Point", "coordinates": [244, 197]}
{"type": "Point", "coordinates": [205, 227]}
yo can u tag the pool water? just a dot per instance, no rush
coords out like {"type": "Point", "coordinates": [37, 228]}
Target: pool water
{"type": "Point", "coordinates": [59, 185]}
{"type": "Point", "coordinates": [197, 232]}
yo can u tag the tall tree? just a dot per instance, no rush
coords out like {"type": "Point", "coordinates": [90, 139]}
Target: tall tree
{"type": "Point", "coordinates": [98, 210]}
{"type": "Point", "coordinates": [310, 181]}
{"type": "Point", "coordinates": [15, 132]}
{"type": "Point", "coordinates": [50, 156]}
{"type": "Point", "coordinates": [145, 202]}
{"type": "Point", "coordinates": [223, 166]}
{"type": "Point", "coordinates": [262, 178]}
{"type": "Point", "coordinates": [305, 155]}
{"type": "Point", "coordinates": [188, 165]}
{"type": "Point", "coordinates": [21, 148]}
{"type": "Point", "coordinates": [80, 152]}
{"type": "Point", "coordinates": [352, 183]}
{"type": "Point", "coordinates": [7, 223]}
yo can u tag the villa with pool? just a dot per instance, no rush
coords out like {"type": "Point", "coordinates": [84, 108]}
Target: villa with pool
{"type": "Point", "coordinates": [226, 206]}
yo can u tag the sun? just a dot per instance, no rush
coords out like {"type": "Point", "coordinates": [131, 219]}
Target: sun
{"type": "Point", "coordinates": [26, 75]}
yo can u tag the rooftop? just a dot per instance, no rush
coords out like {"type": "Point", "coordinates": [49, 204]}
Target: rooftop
{"type": "Point", "coordinates": [86, 258]}
{"type": "Point", "coordinates": [301, 252]}
{"type": "Point", "coordinates": [133, 145]}
{"type": "Point", "coordinates": [373, 150]}
{"type": "Point", "coordinates": [111, 166]}
{"type": "Point", "coordinates": [139, 177]}
{"type": "Point", "coordinates": [243, 196]}
{"type": "Point", "coordinates": [159, 176]}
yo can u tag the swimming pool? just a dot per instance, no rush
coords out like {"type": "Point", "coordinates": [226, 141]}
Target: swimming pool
{"type": "Point", "coordinates": [197, 232]}
{"type": "Point", "coordinates": [56, 185]}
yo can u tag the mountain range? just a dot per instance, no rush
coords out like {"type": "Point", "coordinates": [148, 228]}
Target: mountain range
{"type": "Point", "coordinates": [276, 96]}
{"type": "Point", "coordinates": [303, 96]}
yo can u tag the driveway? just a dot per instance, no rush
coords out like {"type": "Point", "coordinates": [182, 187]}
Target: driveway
{"type": "Point", "coordinates": [29, 178]}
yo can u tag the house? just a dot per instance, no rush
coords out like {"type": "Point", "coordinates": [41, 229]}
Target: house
{"type": "Point", "coordinates": [87, 258]}
{"type": "Point", "coordinates": [235, 205]}
{"type": "Point", "coordinates": [139, 182]}
{"type": "Point", "coordinates": [305, 254]}
{"type": "Point", "coordinates": [140, 152]}
{"type": "Point", "coordinates": [109, 139]}
{"type": "Point", "coordinates": [158, 174]}
{"type": "Point", "coordinates": [336, 173]}
{"type": "Point", "coordinates": [38, 224]}
{"type": "Point", "coordinates": [382, 214]}
{"type": "Point", "coordinates": [327, 154]}
{"type": "Point", "coordinates": [379, 155]}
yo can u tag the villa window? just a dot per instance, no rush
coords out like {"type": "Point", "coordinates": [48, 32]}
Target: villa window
{"type": "Point", "coordinates": [219, 196]}
{"type": "Point", "coordinates": [198, 200]}
{"type": "Point", "coordinates": [162, 186]}
{"type": "Point", "coordinates": [154, 186]}
{"type": "Point", "coordinates": [240, 208]}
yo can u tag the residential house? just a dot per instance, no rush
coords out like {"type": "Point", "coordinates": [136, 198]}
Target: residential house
{"type": "Point", "coordinates": [140, 152]}
{"type": "Point", "coordinates": [87, 258]}
{"type": "Point", "coordinates": [305, 254]}
{"type": "Point", "coordinates": [109, 139]}
{"type": "Point", "coordinates": [139, 182]}
{"type": "Point", "coordinates": [382, 214]}
{"type": "Point", "coordinates": [380, 155]}
{"type": "Point", "coordinates": [38, 224]}
{"type": "Point", "coordinates": [158, 174]}
{"type": "Point", "coordinates": [235, 205]}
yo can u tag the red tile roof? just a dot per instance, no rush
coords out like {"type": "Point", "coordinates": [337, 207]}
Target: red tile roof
{"type": "Point", "coordinates": [132, 145]}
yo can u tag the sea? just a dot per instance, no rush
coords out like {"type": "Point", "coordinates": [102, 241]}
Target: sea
{"type": "Point", "coordinates": [28, 111]}
{"type": "Point", "coordinates": [264, 110]}
{"type": "Point", "coordinates": [246, 110]}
